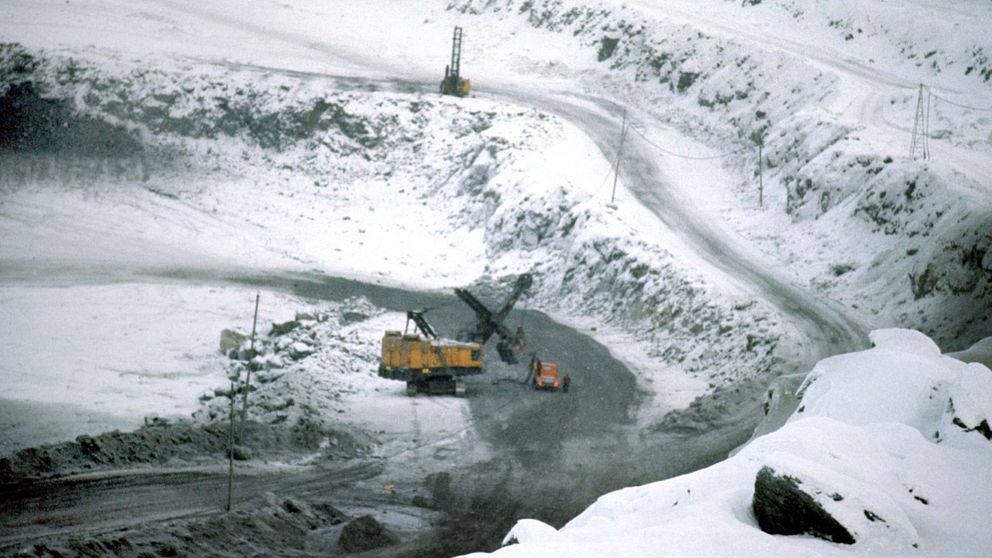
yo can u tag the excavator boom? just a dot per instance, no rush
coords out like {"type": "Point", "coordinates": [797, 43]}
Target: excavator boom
{"type": "Point", "coordinates": [523, 283]}
{"type": "Point", "coordinates": [421, 322]}
{"type": "Point", "coordinates": [487, 323]}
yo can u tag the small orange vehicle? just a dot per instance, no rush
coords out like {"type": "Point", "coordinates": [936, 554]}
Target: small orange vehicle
{"type": "Point", "coordinates": [544, 375]}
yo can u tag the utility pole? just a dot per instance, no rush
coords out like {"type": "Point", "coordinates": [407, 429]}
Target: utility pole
{"type": "Point", "coordinates": [251, 355]}
{"type": "Point", "coordinates": [616, 170]}
{"type": "Point", "coordinates": [926, 127]}
{"type": "Point", "coordinates": [761, 172]}
{"type": "Point", "coordinates": [920, 125]}
{"type": "Point", "coordinates": [230, 453]}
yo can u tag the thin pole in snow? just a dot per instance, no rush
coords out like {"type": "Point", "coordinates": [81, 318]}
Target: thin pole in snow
{"type": "Point", "coordinates": [926, 126]}
{"type": "Point", "coordinates": [251, 355]}
{"type": "Point", "coordinates": [761, 172]}
{"type": "Point", "coordinates": [230, 453]}
{"type": "Point", "coordinates": [920, 125]}
{"type": "Point", "coordinates": [616, 171]}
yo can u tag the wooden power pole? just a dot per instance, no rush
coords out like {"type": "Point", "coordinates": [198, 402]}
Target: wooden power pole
{"type": "Point", "coordinates": [230, 453]}
{"type": "Point", "coordinates": [761, 172]}
{"type": "Point", "coordinates": [616, 170]}
{"type": "Point", "coordinates": [247, 388]}
{"type": "Point", "coordinates": [921, 118]}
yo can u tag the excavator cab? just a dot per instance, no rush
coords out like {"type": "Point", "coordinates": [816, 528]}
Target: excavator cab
{"type": "Point", "coordinates": [429, 363]}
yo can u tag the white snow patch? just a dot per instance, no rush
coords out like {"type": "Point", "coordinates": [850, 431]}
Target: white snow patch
{"type": "Point", "coordinates": [122, 351]}
{"type": "Point", "coordinates": [924, 495]}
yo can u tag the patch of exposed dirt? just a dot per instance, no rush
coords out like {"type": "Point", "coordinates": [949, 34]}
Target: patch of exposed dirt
{"type": "Point", "coordinates": [280, 526]}
{"type": "Point", "coordinates": [163, 443]}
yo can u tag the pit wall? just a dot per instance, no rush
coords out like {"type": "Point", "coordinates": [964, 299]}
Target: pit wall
{"type": "Point", "coordinates": [918, 248]}
{"type": "Point", "coordinates": [477, 164]}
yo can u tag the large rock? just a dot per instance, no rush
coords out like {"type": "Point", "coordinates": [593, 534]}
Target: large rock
{"type": "Point", "coordinates": [299, 350]}
{"type": "Point", "coordinates": [364, 533]}
{"type": "Point", "coordinates": [782, 508]}
{"type": "Point", "coordinates": [283, 328]}
{"type": "Point", "coordinates": [353, 317]}
{"type": "Point", "coordinates": [305, 317]}
{"type": "Point", "coordinates": [231, 339]}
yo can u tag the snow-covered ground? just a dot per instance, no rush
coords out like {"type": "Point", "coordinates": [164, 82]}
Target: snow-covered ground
{"type": "Point", "coordinates": [306, 136]}
{"type": "Point", "coordinates": [474, 188]}
{"type": "Point", "coordinates": [893, 443]}
{"type": "Point", "coordinates": [107, 356]}
{"type": "Point", "coordinates": [832, 89]}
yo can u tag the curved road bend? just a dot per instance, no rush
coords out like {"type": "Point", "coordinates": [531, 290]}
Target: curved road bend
{"type": "Point", "coordinates": [827, 329]}
{"type": "Point", "coordinates": [524, 429]}
{"type": "Point", "coordinates": [568, 449]}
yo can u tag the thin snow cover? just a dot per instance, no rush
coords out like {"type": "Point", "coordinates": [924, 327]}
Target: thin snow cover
{"type": "Point", "coordinates": [833, 90]}
{"type": "Point", "coordinates": [89, 358]}
{"type": "Point", "coordinates": [889, 441]}
{"type": "Point", "coordinates": [321, 369]}
{"type": "Point", "coordinates": [408, 189]}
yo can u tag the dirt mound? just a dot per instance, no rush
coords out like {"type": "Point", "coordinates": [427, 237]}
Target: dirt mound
{"type": "Point", "coordinates": [365, 533]}
{"type": "Point", "coordinates": [280, 527]}
{"type": "Point", "coordinates": [161, 442]}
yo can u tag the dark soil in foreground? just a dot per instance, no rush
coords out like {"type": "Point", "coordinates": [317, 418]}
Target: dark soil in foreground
{"type": "Point", "coordinates": [173, 443]}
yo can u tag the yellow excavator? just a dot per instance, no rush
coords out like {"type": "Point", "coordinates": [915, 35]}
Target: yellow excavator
{"type": "Point", "coordinates": [453, 84]}
{"type": "Point", "coordinates": [425, 361]}
{"type": "Point", "coordinates": [431, 364]}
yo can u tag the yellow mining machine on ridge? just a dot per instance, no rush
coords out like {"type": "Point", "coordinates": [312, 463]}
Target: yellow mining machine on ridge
{"type": "Point", "coordinates": [453, 84]}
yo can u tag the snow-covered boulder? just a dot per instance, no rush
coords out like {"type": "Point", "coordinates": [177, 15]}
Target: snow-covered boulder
{"type": "Point", "coordinates": [795, 495]}
{"type": "Point", "coordinates": [783, 507]}
{"type": "Point", "coordinates": [902, 379]}
{"type": "Point", "coordinates": [529, 530]}
{"type": "Point", "coordinates": [283, 328]}
{"type": "Point", "coordinates": [267, 361]}
{"type": "Point", "coordinates": [887, 446]}
{"type": "Point", "coordinates": [969, 407]}
{"type": "Point", "coordinates": [300, 350]}
{"type": "Point", "coordinates": [231, 339]}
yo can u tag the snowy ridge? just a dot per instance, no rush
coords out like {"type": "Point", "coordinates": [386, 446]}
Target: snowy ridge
{"type": "Point", "coordinates": [481, 168]}
{"type": "Point", "coordinates": [836, 129]}
{"type": "Point", "coordinates": [885, 442]}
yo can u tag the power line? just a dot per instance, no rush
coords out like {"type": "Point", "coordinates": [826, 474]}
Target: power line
{"type": "Point", "coordinates": [603, 183]}
{"type": "Point", "coordinates": [681, 156]}
{"type": "Point", "coordinates": [959, 105]}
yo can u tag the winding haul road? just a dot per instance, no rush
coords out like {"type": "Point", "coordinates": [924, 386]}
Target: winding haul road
{"type": "Point", "coordinates": [825, 327]}
{"type": "Point", "coordinates": [588, 431]}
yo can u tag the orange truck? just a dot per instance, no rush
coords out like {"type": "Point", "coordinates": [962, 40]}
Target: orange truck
{"type": "Point", "coordinates": [544, 375]}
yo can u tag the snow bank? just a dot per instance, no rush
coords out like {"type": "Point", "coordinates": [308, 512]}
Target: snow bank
{"type": "Point", "coordinates": [446, 192]}
{"type": "Point", "coordinates": [886, 444]}
{"type": "Point", "coordinates": [833, 92]}
{"type": "Point", "coordinates": [321, 370]}
{"type": "Point", "coordinates": [96, 357]}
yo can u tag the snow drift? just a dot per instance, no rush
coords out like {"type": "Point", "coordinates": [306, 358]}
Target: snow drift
{"type": "Point", "coordinates": [891, 442]}
{"type": "Point", "coordinates": [895, 237]}
{"type": "Point", "coordinates": [508, 190]}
